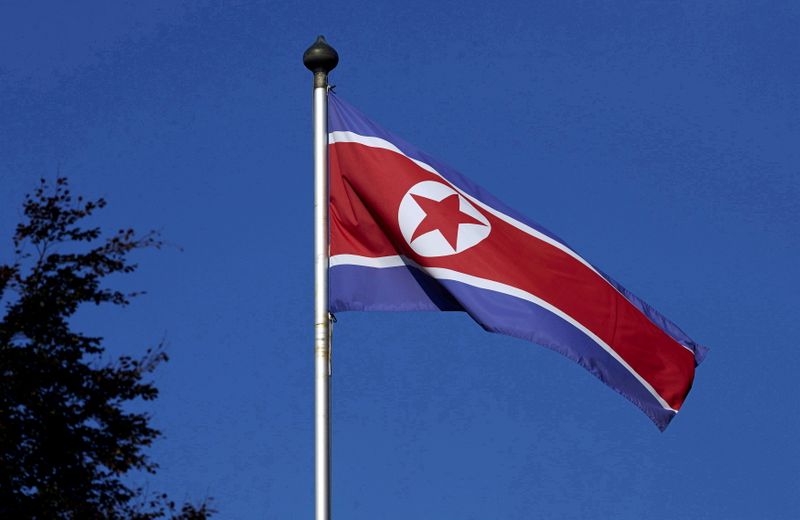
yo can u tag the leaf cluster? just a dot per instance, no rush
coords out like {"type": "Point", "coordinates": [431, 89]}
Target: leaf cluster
{"type": "Point", "coordinates": [67, 434]}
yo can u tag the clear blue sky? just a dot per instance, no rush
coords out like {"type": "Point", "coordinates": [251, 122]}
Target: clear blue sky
{"type": "Point", "coordinates": [660, 139]}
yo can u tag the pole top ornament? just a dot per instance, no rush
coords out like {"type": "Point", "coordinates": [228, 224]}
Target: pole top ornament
{"type": "Point", "coordinates": [320, 57]}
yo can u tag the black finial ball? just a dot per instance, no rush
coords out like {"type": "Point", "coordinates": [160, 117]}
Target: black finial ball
{"type": "Point", "coordinates": [320, 57]}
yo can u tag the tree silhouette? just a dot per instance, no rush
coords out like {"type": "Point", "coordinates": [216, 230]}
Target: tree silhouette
{"type": "Point", "coordinates": [67, 436]}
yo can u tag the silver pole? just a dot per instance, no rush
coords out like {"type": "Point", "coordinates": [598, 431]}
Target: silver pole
{"type": "Point", "coordinates": [321, 58]}
{"type": "Point", "coordinates": [321, 319]}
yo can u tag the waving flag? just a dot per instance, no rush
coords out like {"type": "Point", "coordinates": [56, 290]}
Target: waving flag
{"type": "Point", "coordinates": [409, 233]}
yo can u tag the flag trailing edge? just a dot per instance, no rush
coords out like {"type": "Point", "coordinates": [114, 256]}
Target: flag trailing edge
{"type": "Point", "coordinates": [410, 233]}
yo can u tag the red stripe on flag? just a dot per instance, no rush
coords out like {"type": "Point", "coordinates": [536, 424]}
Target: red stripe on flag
{"type": "Point", "coordinates": [367, 185]}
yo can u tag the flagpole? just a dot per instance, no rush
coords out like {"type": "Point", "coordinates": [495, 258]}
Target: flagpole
{"type": "Point", "coordinates": [320, 59]}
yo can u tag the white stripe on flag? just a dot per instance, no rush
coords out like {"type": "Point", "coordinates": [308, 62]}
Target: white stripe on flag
{"type": "Point", "coordinates": [441, 273]}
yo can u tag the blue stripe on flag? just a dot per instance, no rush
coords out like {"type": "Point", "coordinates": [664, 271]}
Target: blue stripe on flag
{"type": "Point", "coordinates": [358, 288]}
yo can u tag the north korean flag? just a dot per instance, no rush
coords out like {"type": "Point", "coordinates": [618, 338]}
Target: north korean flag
{"type": "Point", "coordinates": [408, 233]}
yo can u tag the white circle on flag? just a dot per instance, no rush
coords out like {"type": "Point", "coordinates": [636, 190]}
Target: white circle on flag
{"type": "Point", "coordinates": [453, 226]}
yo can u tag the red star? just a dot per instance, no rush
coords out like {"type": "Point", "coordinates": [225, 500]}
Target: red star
{"type": "Point", "coordinates": [443, 215]}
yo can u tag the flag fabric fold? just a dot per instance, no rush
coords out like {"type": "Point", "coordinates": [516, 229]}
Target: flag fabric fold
{"type": "Point", "coordinates": [410, 233]}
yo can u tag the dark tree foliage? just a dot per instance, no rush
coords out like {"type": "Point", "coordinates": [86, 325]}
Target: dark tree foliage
{"type": "Point", "coordinates": [67, 437]}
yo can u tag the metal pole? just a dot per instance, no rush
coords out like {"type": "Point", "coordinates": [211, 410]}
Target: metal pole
{"type": "Point", "coordinates": [320, 59]}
